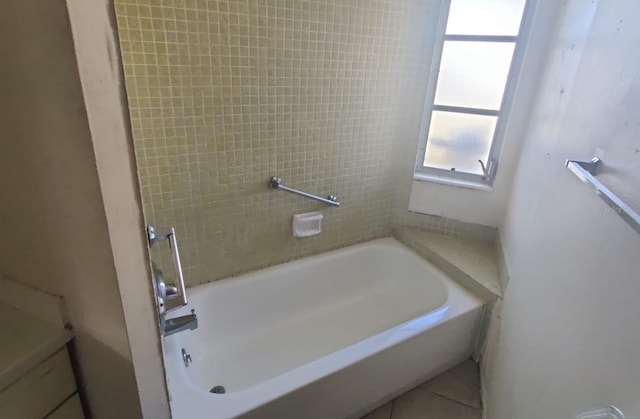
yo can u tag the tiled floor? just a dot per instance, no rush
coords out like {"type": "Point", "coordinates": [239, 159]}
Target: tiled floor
{"type": "Point", "coordinates": [454, 394]}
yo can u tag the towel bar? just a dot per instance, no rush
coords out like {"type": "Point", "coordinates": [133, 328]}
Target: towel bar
{"type": "Point", "coordinates": [586, 172]}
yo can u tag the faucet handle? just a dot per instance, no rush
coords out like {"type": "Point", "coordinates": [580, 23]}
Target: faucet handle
{"type": "Point", "coordinates": [170, 291]}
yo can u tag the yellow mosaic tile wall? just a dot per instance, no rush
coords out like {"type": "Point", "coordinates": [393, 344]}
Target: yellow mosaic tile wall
{"type": "Point", "coordinates": [225, 94]}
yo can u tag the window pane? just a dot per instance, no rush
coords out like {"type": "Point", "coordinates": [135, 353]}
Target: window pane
{"type": "Point", "coordinates": [459, 140]}
{"type": "Point", "coordinates": [485, 17]}
{"type": "Point", "coordinates": [473, 74]}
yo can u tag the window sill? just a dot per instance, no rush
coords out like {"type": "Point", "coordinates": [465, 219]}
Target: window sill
{"type": "Point", "coordinates": [459, 183]}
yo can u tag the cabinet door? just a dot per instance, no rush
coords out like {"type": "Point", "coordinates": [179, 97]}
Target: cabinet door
{"type": "Point", "coordinates": [70, 409]}
{"type": "Point", "coordinates": [40, 390]}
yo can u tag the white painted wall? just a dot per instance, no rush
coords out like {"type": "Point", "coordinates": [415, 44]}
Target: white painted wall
{"type": "Point", "coordinates": [71, 216]}
{"type": "Point", "coordinates": [95, 38]}
{"type": "Point", "coordinates": [569, 338]}
{"type": "Point", "coordinates": [487, 207]}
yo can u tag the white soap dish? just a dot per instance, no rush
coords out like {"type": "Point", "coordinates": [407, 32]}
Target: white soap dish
{"type": "Point", "coordinates": [307, 224]}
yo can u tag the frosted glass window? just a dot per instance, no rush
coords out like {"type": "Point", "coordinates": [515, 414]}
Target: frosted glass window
{"type": "Point", "coordinates": [473, 74]}
{"type": "Point", "coordinates": [472, 87]}
{"type": "Point", "coordinates": [458, 140]}
{"type": "Point", "coordinates": [485, 17]}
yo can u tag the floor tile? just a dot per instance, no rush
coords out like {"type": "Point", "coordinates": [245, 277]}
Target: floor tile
{"type": "Point", "coordinates": [461, 383]}
{"type": "Point", "coordinates": [383, 412]}
{"type": "Point", "coordinates": [421, 404]}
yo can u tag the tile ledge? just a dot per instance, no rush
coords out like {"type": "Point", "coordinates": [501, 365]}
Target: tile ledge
{"type": "Point", "coordinates": [471, 262]}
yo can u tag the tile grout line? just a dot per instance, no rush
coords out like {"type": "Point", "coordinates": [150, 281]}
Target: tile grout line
{"type": "Point", "coordinates": [455, 401]}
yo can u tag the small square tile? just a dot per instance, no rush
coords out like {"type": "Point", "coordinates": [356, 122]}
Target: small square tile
{"type": "Point", "coordinates": [421, 404]}
{"type": "Point", "coordinates": [461, 383]}
{"type": "Point", "coordinates": [383, 412]}
{"type": "Point", "coordinates": [224, 95]}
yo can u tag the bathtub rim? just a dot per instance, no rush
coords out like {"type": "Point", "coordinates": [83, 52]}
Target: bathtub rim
{"type": "Point", "coordinates": [251, 275]}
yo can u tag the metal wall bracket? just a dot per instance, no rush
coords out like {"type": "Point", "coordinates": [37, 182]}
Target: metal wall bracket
{"type": "Point", "coordinates": [586, 171]}
{"type": "Point", "coordinates": [609, 412]}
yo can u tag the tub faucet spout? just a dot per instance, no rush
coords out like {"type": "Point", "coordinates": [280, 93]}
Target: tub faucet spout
{"type": "Point", "coordinates": [178, 324]}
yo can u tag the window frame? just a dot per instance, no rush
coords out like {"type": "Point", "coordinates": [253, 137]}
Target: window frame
{"type": "Point", "coordinates": [463, 179]}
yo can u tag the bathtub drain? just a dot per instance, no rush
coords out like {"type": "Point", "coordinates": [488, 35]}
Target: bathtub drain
{"type": "Point", "coordinates": [217, 390]}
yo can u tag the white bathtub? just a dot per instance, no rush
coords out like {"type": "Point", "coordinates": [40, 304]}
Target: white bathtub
{"type": "Point", "coordinates": [330, 336]}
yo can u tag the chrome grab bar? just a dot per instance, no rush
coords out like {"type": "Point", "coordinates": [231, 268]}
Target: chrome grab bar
{"type": "Point", "coordinates": [276, 183]}
{"type": "Point", "coordinates": [174, 297]}
{"type": "Point", "coordinates": [586, 171]}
